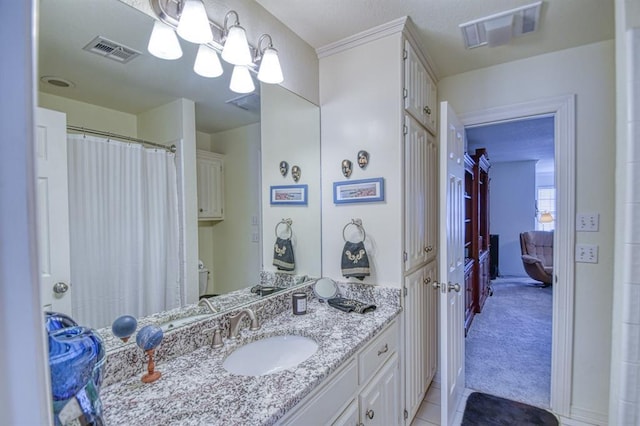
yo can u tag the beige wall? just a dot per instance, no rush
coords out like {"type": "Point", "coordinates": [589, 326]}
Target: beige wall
{"type": "Point", "coordinates": [226, 246]}
{"type": "Point", "coordinates": [91, 116]}
{"type": "Point", "coordinates": [588, 72]}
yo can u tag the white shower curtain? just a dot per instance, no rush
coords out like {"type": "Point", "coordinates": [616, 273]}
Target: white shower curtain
{"type": "Point", "coordinates": [123, 214]}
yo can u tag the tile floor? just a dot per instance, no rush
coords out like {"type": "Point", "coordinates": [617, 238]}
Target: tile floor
{"type": "Point", "coordinates": [429, 412]}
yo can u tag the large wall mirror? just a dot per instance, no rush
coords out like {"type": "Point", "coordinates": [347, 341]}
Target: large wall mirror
{"type": "Point", "coordinates": [254, 132]}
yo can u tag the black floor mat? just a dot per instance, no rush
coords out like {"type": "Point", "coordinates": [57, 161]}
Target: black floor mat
{"type": "Point", "coordinates": [487, 410]}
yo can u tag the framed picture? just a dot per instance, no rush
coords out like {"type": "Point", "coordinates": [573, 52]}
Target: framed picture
{"type": "Point", "coordinates": [358, 191]}
{"type": "Point", "coordinates": [289, 194]}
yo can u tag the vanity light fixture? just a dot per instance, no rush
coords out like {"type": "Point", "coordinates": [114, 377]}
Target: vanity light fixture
{"type": "Point", "coordinates": [189, 19]}
{"type": "Point", "coordinates": [270, 71]}
{"type": "Point", "coordinates": [163, 42]}
{"type": "Point", "coordinates": [194, 23]}
{"type": "Point", "coordinates": [241, 81]}
{"type": "Point", "coordinates": [207, 63]}
{"type": "Point", "coordinates": [236, 48]}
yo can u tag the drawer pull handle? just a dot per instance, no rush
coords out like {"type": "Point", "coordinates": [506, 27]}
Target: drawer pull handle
{"type": "Point", "coordinates": [383, 350]}
{"type": "Point", "coordinates": [370, 414]}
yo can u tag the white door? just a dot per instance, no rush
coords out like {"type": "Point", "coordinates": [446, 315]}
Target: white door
{"type": "Point", "coordinates": [451, 262]}
{"type": "Point", "coordinates": [53, 210]}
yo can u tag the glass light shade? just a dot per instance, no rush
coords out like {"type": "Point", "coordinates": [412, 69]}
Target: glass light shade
{"type": "Point", "coordinates": [270, 71]}
{"type": "Point", "coordinates": [241, 81]}
{"type": "Point", "coordinates": [207, 62]}
{"type": "Point", "coordinates": [194, 23]}
{"type": "Point", "coordinates": [236, 48]}
{"type": "Point", "coordinates": [163, 42]}
{"type": "Point", "coordinates": [545, 218]}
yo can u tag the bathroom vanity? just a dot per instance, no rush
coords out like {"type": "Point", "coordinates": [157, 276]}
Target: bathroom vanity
{"type": "Point", "coordinates": [353, 377]}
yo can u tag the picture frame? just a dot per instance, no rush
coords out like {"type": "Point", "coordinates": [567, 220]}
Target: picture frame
{"type": "Point", "coordinates": [358, 191]}
{"type": "Point", "coordinates": [293, 195]}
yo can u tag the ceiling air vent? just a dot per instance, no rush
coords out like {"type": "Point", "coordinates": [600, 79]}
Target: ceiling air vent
{"type": "Point", "coordinates": [249, 102]}
{"type": "Point", "coordinates": [112, 50]}
{"type": "Point", "coordinates": [496, 30]}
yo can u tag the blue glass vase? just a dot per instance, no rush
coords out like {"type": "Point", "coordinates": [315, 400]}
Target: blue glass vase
{"type": "Point", "coordinates": [76, 360]}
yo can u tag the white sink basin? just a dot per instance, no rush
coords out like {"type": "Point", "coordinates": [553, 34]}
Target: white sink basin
{"type": "Point", "coordinates": [269, 355]}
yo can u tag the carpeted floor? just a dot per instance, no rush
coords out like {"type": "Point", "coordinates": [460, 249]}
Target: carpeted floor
{"type": "Point", "coordinates": [508, 348]}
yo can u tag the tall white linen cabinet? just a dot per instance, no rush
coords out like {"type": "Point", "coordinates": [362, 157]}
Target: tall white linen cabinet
{"type": "Point", "coordinates": [378, 94]}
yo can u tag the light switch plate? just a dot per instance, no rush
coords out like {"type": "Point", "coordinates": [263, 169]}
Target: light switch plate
{"type": "Point", "coordinates": [586, 253]}
{"type": "Point", "coordinates": [588, 222]}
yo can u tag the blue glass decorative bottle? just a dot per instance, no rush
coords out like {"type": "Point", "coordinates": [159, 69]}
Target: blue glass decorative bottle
{"type": "Point", "coordinates": [76, 360]}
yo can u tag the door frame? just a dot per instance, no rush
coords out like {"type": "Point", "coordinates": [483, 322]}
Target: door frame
{"type": "Point", "coordinates": [563, 110]}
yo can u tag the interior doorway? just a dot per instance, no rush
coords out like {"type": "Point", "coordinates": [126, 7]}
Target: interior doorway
{"type": "Point", "coordinates": [562, 109]}
{"type": "Point", "coordinates": [508, 344]}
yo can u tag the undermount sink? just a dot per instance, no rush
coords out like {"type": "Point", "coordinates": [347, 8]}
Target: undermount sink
{"type": "Point", "coordinates": [270, 355]}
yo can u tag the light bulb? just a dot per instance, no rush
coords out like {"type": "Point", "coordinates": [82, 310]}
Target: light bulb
{"type": "Point", "coordinates": [236, 49]}
{"type": "Point", "coordinates": [241, 81]}
{"type": "Point", "coordinates": [163, 42]}
{"type": "Point", "coordinates": [270, 71]}
{"type": "Point", "coordinates": [194, 23]}
{"type": "Point", "coordinates": [207, 63]}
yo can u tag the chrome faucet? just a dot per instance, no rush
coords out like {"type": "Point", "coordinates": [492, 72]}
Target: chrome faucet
{"type": "Point", "coordinates": [208, 304]}
{"type": "Point", "coordinates": [236, 320]}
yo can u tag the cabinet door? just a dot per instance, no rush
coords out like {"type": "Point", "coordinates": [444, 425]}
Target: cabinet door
{"type": "Point", "coordinates": [349, 416]}
{"type": "Point", "coordinates": [416, 87]}
{"type": "Point", "coordinates": [210, 173]}
{"type": "Point", "coordinates": [415, 177]}
{"type": "Point", "coordinates": [420, 335]}
{"type": "Point", "coordinates": [431, 198]}
{"type": "Point", "coordinates": [380, 401]}
{"type": "Point", "coordinates": [431, 105]}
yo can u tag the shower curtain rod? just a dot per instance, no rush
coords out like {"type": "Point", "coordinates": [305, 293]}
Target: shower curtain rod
{"type": "Point", "coordinates": [171, 148]}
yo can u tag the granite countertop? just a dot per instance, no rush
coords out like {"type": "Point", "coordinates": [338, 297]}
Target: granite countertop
{"type": "Point", "coordinates": [195, 389]}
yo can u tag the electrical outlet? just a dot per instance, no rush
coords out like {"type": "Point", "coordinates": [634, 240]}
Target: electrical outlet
{"type": "Point", "coordinates": [254, 220]}
{"type": "Point", "coordinates": [586, 253]}
{"type": "Point", "coordinates": [587, 222]}
{"type": "Point", "coordinates": [255, 237]}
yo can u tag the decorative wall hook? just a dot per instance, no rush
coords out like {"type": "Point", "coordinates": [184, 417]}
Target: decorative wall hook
{"type": "Point", "coordinates": [284, 168]}
{"type": "Point", "coordinates": [295, 173]}
{"type": "Point", "coordinates": [347, 167]}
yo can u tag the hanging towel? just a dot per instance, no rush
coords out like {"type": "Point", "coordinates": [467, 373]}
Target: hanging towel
{"type": "Point", "coordinates": [283, 255]}
{"type": "Point", "coordinates": [355, 262]}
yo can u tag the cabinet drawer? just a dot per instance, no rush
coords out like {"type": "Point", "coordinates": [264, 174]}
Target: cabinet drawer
{"type": "Point", "coordinates": [322, 406]}
{"type": "Point", "coordinates": [377, 352]}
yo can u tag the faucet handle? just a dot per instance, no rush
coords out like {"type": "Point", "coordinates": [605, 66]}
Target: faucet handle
{"type": "Point", "coordinates": [216, 340]}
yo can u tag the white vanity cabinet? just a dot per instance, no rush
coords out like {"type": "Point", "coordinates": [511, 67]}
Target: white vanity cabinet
{"type": "Point", "coordinates": [364, 391]}
{"type": "Point", "coordinates": [210, 175]}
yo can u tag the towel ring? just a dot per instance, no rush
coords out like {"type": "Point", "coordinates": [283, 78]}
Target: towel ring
{"type": "Point", "coordinates": [288, 223]}
{"type": "Point", "coordinates": [358, 224]}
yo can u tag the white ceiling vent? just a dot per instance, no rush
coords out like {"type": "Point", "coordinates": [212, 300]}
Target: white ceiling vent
{"type": "Point", "coordinates": [496, 30]}
{"type": "Point", "coordinates": [248, 102]}
{"type": "Point", "coordinates": [112, 50]}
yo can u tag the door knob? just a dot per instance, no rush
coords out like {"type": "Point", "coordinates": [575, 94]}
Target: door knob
{"type": "Point", "coordinates": [435, 285]}
{"type": "Point", "coordinates": [370, 414]}
{"type": "Point", "coordinates": [455, 287]}
{"type": "Point", "coordinates": [60, 287]}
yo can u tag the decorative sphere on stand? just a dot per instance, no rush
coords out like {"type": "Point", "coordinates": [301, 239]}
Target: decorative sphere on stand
{"type": "Point", "coordinates": [124, 326]}
{"type": "Point", "coordinates": [148, 339]}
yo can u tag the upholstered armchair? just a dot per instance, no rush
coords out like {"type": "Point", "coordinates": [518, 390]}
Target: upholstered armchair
{"type": "Point", "coordinates": [537, 255]}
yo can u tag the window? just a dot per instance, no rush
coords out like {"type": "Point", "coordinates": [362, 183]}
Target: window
{"type": "Point", "coordinates": [546, 203]}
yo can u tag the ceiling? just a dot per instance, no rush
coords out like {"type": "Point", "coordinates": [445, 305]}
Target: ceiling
{"type": "Point", "coordinates": [563, 24]}
{"type": "Point", "coordinates": [521, 140]}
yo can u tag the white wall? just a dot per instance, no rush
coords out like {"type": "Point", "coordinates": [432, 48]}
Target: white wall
{"type": "Point", "coordinates": [91, 116]}
{"type": "Point", "coordinates": [360, 95]}
{"type": "Point", "coordinates": [511, 210]}
{"type": "Point", "coordinates": [587, 71]}
{"type": "Point", "coordinates": [235, 260]}
{"type": "Point", "coordinates": [290, 130]}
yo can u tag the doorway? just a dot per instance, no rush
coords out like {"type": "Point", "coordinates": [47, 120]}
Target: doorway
{"type": "Point", "coordinates": [518, 316]}
{"type": "Point", "coordinates": [562, 108]}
